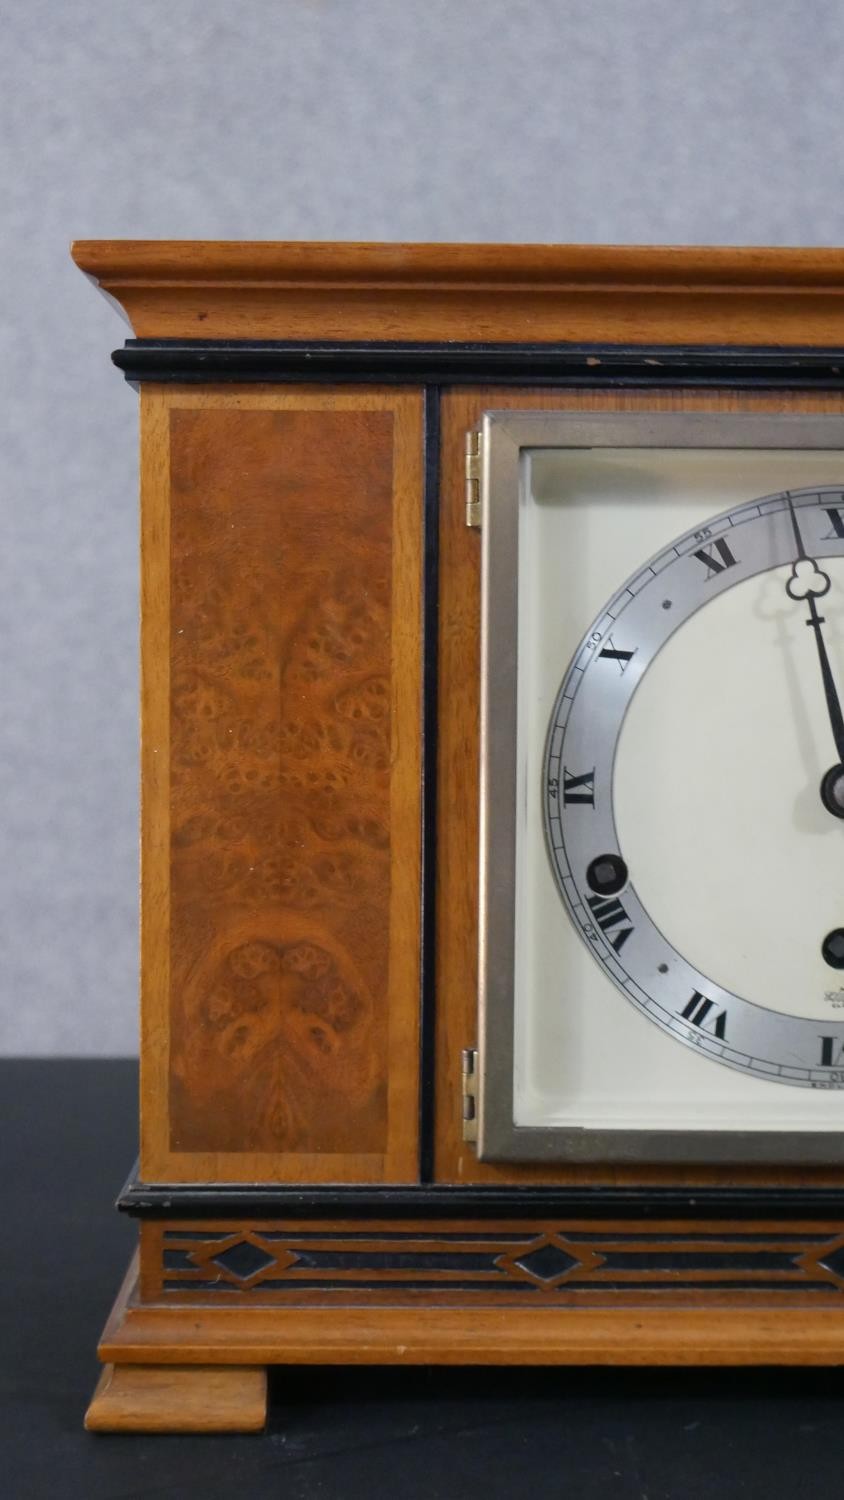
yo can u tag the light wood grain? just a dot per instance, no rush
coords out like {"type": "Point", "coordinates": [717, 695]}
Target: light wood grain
{"type": "Point", "coordinates": [598, 293]}
{"type": "Point", "coordinates": [166, 1398]}
{"type": "Point", "coordinates": [747, 1332]}
{"type": "Point", "coordinates": [281, 647]}
{"type": "Point", "coordinates": [457, 1336]}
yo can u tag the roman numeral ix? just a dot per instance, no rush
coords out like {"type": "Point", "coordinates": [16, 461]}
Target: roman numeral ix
{"type": "Point", "coordinates": [611, 652]}
{"type": "Point", "coordinates": [579, 788]}
{"type": "Point", "coordinates": [698, 1012]}
{"type": "Point", "coordinates": [609, 914]}
{"type": "Point", "coordinates": [716, 556]}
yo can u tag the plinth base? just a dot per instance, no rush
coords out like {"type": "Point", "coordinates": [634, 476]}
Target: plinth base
{"type": "Point", "coordinates": [172, 1367]}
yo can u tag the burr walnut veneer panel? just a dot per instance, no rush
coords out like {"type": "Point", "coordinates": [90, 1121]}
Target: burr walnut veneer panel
{"type": "Point", "coordinates": [282, 547]}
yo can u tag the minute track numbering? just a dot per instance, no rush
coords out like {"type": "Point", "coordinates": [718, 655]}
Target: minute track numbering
{"type": "Point", "coordinates": [587, 862]}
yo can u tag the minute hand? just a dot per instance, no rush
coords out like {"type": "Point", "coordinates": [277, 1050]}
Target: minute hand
{"type": "Point", "coordinates": [836, 718]}
{"type": "Point", "coordinates": [833, 704]}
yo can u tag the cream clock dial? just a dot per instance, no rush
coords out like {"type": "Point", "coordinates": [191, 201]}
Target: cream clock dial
{"type": "Point", "coordinates": [693, 789]}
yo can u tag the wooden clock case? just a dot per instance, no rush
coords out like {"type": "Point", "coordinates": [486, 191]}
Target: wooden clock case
{"type": "Point", "coordinates": [310, 678]}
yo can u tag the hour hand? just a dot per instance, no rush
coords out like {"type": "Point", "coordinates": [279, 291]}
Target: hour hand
{"type": "Point", "coordinates": [807, 579]}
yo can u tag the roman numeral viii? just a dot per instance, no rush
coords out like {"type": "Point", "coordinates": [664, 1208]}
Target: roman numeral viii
{"type": "Point", "coordinates": [610, 914]}
{"type": "Point", "coordinates": [716, 556]}
{"type": "Point", "coordinates": [699, 1012]}
{"type": "Point", "coordinates": [579, 788]}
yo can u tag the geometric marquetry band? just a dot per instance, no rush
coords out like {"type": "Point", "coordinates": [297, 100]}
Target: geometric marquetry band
{"type": "Point", "coordinates": [267, 1262]}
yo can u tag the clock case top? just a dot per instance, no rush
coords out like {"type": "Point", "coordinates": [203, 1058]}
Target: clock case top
{"type": "Point", "coordinates": [440, 318]}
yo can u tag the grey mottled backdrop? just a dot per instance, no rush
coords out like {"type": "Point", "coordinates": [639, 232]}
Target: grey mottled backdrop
{"type": "Point", "coordinates": [655, 121]}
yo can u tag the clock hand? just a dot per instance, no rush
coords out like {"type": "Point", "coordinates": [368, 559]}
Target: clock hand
{"type": "Point", "coordinates": [801, 550]}
{"type": "Point", "coordinates": [808, 581]}
{"type": "Point", "coordinates": [836, 718]}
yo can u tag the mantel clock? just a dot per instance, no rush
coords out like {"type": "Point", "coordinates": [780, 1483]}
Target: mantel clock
{"type": "Point", "coordinates": [493, 812]}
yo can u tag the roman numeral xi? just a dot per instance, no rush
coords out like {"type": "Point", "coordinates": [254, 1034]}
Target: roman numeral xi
{"type": "Point", "coordinates": [716, 556]}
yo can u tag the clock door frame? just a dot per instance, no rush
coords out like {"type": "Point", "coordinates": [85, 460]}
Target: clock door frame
{"type": "Point", "coordinates": [505, 436]}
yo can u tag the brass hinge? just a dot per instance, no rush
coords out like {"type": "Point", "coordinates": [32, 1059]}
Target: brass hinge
{"type": "Point", "coordinates": [473, 479]}
{"type": "Point", "coordinates": [470, 1094]}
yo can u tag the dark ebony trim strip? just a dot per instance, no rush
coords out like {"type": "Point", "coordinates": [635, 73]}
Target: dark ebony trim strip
{"type": "Point", "coordinates": [191, 360]}
{"type": "Point", "coordinates": [486, 1293]}
{"type": "Point", "coordinates": [430, 637]}
{"type": "Point", "coordinates": [270, 1201]}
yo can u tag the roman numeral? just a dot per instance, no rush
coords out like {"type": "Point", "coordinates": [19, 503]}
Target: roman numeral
{"type": "Point", "coordinates": [579, 788]}
{"type": "Point", "coordinates": [698, 1010]}
{"type": "Point", "coordinates": [608, 914]}
{"type": "Point", "coordinates": [837, 523]}
{"type": "Point", "coordinates": [716, 556]}
{"type": "Point", "coordinates": [829, 1059]}
{"type": "Point", "coordinates": [611, 652]}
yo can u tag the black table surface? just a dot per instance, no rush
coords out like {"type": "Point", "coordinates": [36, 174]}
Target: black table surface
{"type": "Point", "coordinates": [68, 1139]}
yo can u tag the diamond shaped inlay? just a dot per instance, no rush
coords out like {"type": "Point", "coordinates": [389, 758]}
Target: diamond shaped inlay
{"type": "Point", "coordinates": [547, 1261]}
{"type": "Point", "coordinates": [835, 1261]}
{"type": "Point", "coordinates": [244, 1259]}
